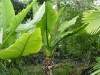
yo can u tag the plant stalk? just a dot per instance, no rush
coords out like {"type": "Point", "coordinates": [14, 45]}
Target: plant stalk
{"type": "Point", "coordinates": [48, 66]}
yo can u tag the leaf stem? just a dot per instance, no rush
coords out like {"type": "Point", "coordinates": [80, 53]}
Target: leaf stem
{"type": "Point", "coordinates": [47, 31]}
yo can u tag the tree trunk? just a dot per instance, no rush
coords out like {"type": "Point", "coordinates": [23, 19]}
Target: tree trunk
{"type": "Point", "coordinates": [48, 66]}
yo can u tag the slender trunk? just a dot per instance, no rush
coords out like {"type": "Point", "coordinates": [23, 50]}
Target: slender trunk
{"type": "Point", "coordinates": [48, 66]}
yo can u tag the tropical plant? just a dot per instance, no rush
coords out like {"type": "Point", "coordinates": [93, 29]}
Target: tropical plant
{"type": "Point", "coordinates": [50, 38]}
{"type": "Point", "coordinates": [47, 24]}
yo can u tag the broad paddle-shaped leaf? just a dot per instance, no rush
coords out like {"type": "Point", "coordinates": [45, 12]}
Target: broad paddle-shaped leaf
{"type": "Point", "coordinates": [25, 45]}
{"type": "Point", "coordinates": [65, 25]}
{"type": "Point", "coordinates": [61, 36]}
{"type": "Point", "coordinates": [49, 19]}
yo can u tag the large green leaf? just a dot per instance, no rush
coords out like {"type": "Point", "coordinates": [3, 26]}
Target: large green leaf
{"type": "Point", "coordinates": [1, 35]}
{"type": "Point", "coordinates": [7, 13]}
{"type": "Point", "coordinates": [61, 11]}
{"type": "Point", "coordinates": [19, 18]}
{"type": "Point", "coordinates": [30, 24]}
{"type": "Point", "coordinates": [35, 8]}
{"type": "Point", "coordinates": [65, 25]}
{"type": "Point", "coordinates": [49, 19]}
{"type": "Point", "coordinates": [92, 17]}
{"type": "Point", "coordinates": [25, 45]}
{"type": "Point", "coordinates": [61, 36]}
{"type": "Point", "coordinates": [16, 22]}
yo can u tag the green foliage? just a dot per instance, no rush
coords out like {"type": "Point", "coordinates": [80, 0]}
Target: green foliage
{"type": "Point", "coordinates": [47, 24]}
{"type": "Point", "coordinates": [63, 26]}
{"type": "Point", "coordinates": [11, 24]}
{"type": "Point", "coordinates": [25, 45]}
{"type": "Point", "coordinates": [82, 46]}
{"type": "Point", "coordinates": [62, 70]}
{"type": "Point", "coordinates": [48, 27]}
{"type": "Point", "coordinates": [5, 71]}
{"type": "Point", "coordinates": [31, 24]}
{"type": "Point", "coordinates": [37, 70]}
{"type": "Point", "coordinates": [48, 21]}
{"type": "Point", "coordinates": [92, 18]}
{"type": "Point", "coordinates": [1, 35]}
{"type": "Point", "coordinates": [2, 69]}
{"type": "Point", "coordinates": [6, 14]}
{"type": "Point", "coordinates": [96, 67]}
{"type": "Point", "coordinates": [66, 34]}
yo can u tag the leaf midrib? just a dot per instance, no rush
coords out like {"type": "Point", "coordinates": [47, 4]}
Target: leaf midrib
{"type": "Point", "coordinates": [25, 45]}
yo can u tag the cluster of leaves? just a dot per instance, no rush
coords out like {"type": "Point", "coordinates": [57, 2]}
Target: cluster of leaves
{"type": "Point", "coordinates": [77, 45]}
{"type": "Point", "coordinates": [47, 21]}
{"type": "Point", "coordinates": [13, 46]}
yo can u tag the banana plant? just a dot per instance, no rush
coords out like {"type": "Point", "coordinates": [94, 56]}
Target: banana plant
{"type": "Point", "coordinates": [50, 39]}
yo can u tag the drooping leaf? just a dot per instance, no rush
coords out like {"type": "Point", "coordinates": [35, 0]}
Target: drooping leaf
{"type": "Point", "coordinates": [61, 36]}
{"type": "Point", "coordinates": [92, 17]}
{"type": "Point", "coordinates": [25, 45]}
{"type": "Point", "coordinates": [49, 19]}
{"type": "Point", "coordinates": [65, 25]}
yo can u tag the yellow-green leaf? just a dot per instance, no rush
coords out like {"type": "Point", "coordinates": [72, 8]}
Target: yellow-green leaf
{"type": "Point", "coordinates": [25, 45]}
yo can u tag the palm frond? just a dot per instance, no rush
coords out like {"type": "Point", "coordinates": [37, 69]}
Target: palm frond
{"type": "Point", "coordinates": [92, 18]}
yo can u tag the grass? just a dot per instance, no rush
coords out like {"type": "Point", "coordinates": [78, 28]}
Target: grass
{"type": "Point", "coordinates": [33, 70]}
{"type": "Point", "coordinates": [37, 70]}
